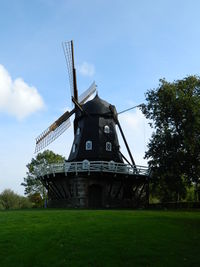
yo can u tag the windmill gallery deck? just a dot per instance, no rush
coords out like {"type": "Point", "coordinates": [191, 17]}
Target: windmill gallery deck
{"type": "Point", "coordinates": [96, 174]}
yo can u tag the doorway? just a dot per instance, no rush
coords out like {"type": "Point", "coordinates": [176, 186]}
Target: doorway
{"type": "Point", "coordinates": [95, 196]}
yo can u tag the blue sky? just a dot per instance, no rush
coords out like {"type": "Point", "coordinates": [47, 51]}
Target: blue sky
{"type": "Point", "coordinates": [129, 45]}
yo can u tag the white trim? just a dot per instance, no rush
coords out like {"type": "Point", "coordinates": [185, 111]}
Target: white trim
{"type": "Point", "coordinates": [86, 164]}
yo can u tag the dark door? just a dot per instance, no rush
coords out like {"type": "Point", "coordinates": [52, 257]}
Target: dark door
{"type": "Point", "coordinates": [95, 196]}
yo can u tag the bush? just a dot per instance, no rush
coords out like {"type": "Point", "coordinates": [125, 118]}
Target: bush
{"type": "Point", "coordinates": [25, 203]}
{"type": "Point", "coordinates": [36, 200]}
{"type": "Point", "coordinates": [1, 206]}
{"type": "Point", "coordinates": [10, 200]}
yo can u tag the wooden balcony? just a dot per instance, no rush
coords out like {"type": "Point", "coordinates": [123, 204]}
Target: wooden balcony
{"type": "Point", "coordinates": [90, 167]}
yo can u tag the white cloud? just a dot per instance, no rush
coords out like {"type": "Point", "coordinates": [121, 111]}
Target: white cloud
{"type": "Point", "coordinates": [137, 133]}
{"type": "Point", "coordinates": [86, 69]}
{"type": "Point", "coordinates": [17, 97]}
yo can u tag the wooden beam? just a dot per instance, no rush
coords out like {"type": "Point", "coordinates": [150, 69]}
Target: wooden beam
{"type": "Point", "coordinates": [126, 144]}
{"type": "Point", "coordinates": [74, 73]}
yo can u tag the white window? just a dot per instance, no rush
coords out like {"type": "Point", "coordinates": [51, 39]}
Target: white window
{"type": "Point", "coordinates": [73, 148]}
{"type": "Point", "coordinates": [78, 131]}
{"type": "Point", "coordinates": [88, 145]}
{"type": "Point", "coordinates": [108, 146]}
{"type": "Point", "coordinates": [106, 129]}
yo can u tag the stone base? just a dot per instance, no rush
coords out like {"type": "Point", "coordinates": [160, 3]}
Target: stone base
{"type": "Point", "coordinates": [96, 191]}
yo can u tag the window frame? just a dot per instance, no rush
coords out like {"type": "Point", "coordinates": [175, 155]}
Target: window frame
{"type": "Point", "coordinates": [78, 131]}
{"type": "Point", "coordinates": [74, 148]}
{"type": "Point", "coordinates": [88, 145]}
{"type": "Point", "coordinates": [106, 129]}
{"type": "Point", "coordinates": [107, 148]}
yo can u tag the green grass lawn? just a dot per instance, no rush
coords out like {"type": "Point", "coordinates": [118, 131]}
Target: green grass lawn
{"type": "Point", "coordinates": [99, 238]}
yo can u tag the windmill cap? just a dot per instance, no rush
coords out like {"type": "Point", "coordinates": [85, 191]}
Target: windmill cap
{"type": "Point", "coordinates": [97, 106]}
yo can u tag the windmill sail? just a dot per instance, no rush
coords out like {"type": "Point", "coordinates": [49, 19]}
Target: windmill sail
{"type": "Point", "coordinates": [69, 56]}
{"type": "Point", "coordinates": [53, 131]}
{"type": "Point", "coordinates": [84, 96]}
{"type": "Point", "coordinates": [49, 136]}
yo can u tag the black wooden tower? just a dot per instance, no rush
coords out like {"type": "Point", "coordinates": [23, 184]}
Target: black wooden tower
{"type": "Point", "coordinates": [96, 174]}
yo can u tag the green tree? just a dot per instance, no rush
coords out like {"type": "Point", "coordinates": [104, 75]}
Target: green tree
{"type": "Point", "coordinates": [31, 183]}
{"type": "Point", "coordinates": [10, 200]}
{"type": "Point", "coordinates": [37, 200]}
{"type": "Point", "coordinates": [174, 148]}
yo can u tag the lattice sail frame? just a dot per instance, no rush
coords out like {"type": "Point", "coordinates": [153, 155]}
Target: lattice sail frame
{"type": "Point", "coordinates": [85, 95]}
{"type": "Point", "coordinates": [49, 135]}
{"type": "Point", "coordinates": [67, 48]}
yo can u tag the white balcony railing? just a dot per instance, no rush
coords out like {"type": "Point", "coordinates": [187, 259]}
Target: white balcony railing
{"type": "Point", "coordinates": [90, 167]}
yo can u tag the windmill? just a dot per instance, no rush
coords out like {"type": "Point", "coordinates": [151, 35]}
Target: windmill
{"type": "Point", "coordinates": [95, 174]}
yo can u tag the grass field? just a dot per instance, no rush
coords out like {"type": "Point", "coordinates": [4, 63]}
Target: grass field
{"type": "Point", "coordinates": [99, 238]}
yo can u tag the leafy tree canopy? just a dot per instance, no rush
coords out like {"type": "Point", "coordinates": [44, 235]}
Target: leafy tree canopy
{"type": "Point", "coordinates": [174, 148]}
{"type": "Point", "coordinates": [31, 183]}
{"type": "Point", "coordinates": [10, 200]}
